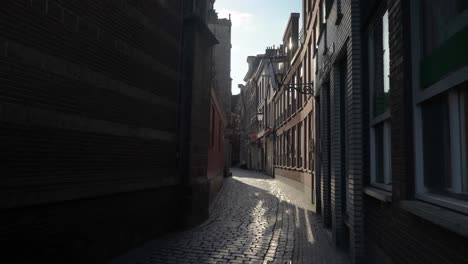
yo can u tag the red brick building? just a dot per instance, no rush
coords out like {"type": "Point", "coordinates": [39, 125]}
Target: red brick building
{"type": "Point", "coordinates": [215, 172]}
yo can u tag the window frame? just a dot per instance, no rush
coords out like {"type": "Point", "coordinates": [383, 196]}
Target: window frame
{"type": "Point", "coordinates": [448, 84]}
{"type": "Point", "coordinates": [382, 119]}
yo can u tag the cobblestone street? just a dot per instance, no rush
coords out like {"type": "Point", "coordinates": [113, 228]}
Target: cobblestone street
{"type": "Point", "coordinates": [255, 219]}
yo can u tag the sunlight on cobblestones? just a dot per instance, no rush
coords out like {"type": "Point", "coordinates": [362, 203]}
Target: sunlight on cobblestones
{"type": "Point", "coordinates": [255, 219]}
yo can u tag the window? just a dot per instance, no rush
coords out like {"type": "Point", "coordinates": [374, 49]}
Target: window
{"type": "Point", "coordinates": [323, 11]}
{"type": "Point", "coordinates": [289, 102]}
{"type": "Point", "coordinates": [288, 148]}
{"type": "Point", "coordinates": [299, 145]}
{"type": "Point", "coordinates": [316, 33]}
{"type": "Point", "coordinates": [444, 126]}
{"type": "Point", "coordinates": [381, 66]}
{"type": "Point", "coordinates": [293, 147]}
{"type": "Point", "coordinates": [300, 81]}
{"type": "Point", "coordinates": [440, 91]}
{"type": "Point", "coordinates": [294, 92]}
{"type": "Point", "coordinates": [284, 149]}
{"type": "Point", "coordinates": [442, 19]}
{"type": "Point", "coordinates": [304, 165]}
{"type": "Point", "coordinates": [379, 74]}
{"type": "Point", "coordinates": [311, 143]}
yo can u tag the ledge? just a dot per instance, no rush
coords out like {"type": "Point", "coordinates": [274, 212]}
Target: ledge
{"type": "Point", "coordinates": [378, 194]}
{"type": "Point", "coordinates": [453, 221]}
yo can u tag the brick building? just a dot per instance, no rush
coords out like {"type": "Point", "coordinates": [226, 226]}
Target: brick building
{"type": "Point", "coordinates": [91, 165]}
{"type": "Point", "coordinates": [294, 111]}
{"type": "Point", "coordinates": [221, 29]}
{"type": "Point", "coordinates": [235, 124]}
{"type": "Point", "coordinates": [380, 148]}
{"type": "Point", "coordinates": [250, 153]}
{"type": "Point", "coordinates": [216, 163]}
{"type": "Point", "coordinates": [391, 128]}
{"type": "Point", "coordinates": [416, 184]}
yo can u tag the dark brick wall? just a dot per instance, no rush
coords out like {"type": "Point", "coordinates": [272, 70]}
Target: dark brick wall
{"type": "Point", "coordinates": [84, 100]}
{"type": "Point", "coordinates": [86, 230]}
{"type": "Point", "coordinates": [88, 110]}
{"type": "Point", "coordinates": [405, 238]}
{"type": "Point", "coordinates": [339, 46]}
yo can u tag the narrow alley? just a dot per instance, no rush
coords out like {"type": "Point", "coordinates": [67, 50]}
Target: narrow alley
{"type": "Point", "coordinates": [255, 219]}
{"type": "Point", "coordinates": [234, 131]}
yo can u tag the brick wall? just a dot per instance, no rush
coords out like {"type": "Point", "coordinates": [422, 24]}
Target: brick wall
{"type": "Point", "coordinates": [216, 147]}
{"type": "Point", "coordinates": [340, 42]}
{"type": "Point", "coordinates": [81, 123]}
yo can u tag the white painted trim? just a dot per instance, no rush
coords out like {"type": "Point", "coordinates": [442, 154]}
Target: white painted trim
{"type": "Point", "coordinates": [372, 155]}
{"type": "Point", "coordinates": [419, 96]}
{"type": "Point", "coordinates": [447, 83]}
{"type": "Point", "coordinates": [419, 150]}
{"type": "Point", "coordinates": [455, 144]}
{"type": "Point", "coordinates": [387, 153]}
{"type": "Point", "coordinates": [444, 201]}
{"type": "Point", "coordinates": [387, 157]}
{"type": "Point", "coordinates": [416, 45]}
{"type": "Point", "coordinates": [386, 187]}
{"type": "Point", "coordinates": [378, 194]}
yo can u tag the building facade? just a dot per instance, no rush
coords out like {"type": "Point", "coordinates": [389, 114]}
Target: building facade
{"type": "Point", "coordinates": [380, 146]}
{"type": "Point", "coordinates": [416, 120]}
{"type": "Point", "coordinates": [235, 124]}
{"type": "Point", "coordinates": [250, 149]}
{"type": "Point", "coordinates": [391, 128]}
{"type": "Point", "coordinates": [216, 163]}
{"type": "Point", "coordinates": [90, 161]}
{"type": "Point", "coordinates": [294, 108]}
{"type": "Point", "coordinates": [221, 29]}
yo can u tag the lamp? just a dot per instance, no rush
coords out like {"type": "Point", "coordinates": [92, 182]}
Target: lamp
{"type": "Point", "coordinates": [260, 117]}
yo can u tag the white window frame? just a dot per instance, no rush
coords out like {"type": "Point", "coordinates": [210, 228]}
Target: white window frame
{"type": "Point", "coordinates": [448, 83]}
{"type": "Point", "coordinates": [382, 119]}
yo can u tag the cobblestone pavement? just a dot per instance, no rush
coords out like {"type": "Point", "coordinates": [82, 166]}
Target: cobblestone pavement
{"type": "Point", "coordinates": [255, 219]}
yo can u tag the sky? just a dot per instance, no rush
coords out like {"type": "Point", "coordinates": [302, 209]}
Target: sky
{"type": "Point", "coordinates": [256, 24]}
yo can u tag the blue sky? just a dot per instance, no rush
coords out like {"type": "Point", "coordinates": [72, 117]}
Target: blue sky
{"type": "Point", "coordinates": [256, 24]}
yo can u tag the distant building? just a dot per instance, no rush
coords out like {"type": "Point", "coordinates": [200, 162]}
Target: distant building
{"type": "Point", "coordinates": [235, 124]}
{"type": "Point", "coordinates": [222, 82]}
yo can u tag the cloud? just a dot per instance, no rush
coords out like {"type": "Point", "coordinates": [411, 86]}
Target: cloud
{"type": "Point", "coordinates": [241, 20]}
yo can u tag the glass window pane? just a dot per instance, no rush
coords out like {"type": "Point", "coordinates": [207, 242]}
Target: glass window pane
{"type": "Point", "coordinates": [436, 144]}
{"type": "Point", "coordinates": [379, 153]}
{"type": "Point", "coordinates": [381, 66]}
{"type": "Point", "coordinates": [386, 57]}
{"type": "Point", "coordinates": [441, 20]}
{"type": "Point", "coordinates": [293, 147]}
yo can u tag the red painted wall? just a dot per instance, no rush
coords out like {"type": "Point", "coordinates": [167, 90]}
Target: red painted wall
{"type": "Point", "coordinates": [216, 139]}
